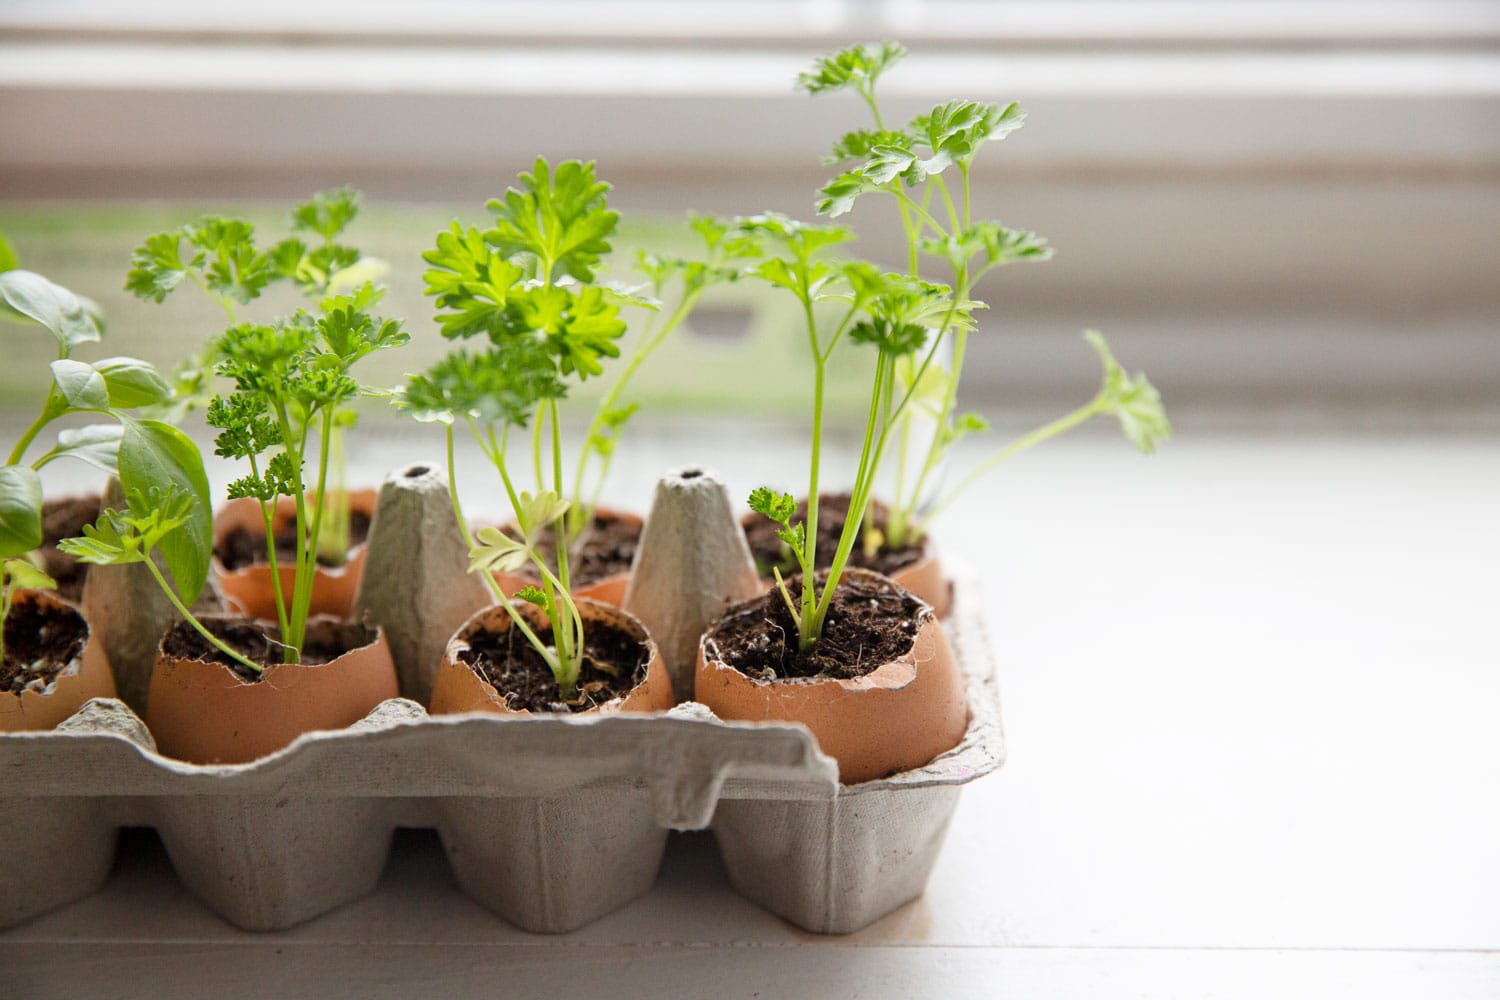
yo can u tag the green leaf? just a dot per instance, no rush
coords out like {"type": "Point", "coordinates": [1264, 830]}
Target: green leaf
{"type": "Point", "coordinates": [539, 511]}
{"type": "Point", "coordinates": [20, 510]}
{"type": "Point", "coordinates": [496, 552]}
{"type": "Point", "coordinates": [1132, 399]}
{"type": "Point", "coordinates": [231, 264]}
{"type": "Point", "coordinates": [532, 594]}
{"type": "Point", "coordinates": [51, 305]}
{"type": "Point", "coordinates": [558, 219]}
{"type": "Point", "coordinates": [839, 195]}
{"type": "Point", "coordinates": [955, 131]}
{"type": "Point", "coordinates": [157, 267]}
{"type": "Point", "coordinates": [327, 213]}
{"type": "Point", "coordinates": [857, 66]}
{"type": "Point", "coordinates": [859, 144]}
{"type": "Point", "coordinates": [132, 382]}
{"type": "Point", "coordinates": [82, 386]}
{"type": "Point", "coordinates": [8, 260]}
{"type": "Point", "coordinates": [96, 444]}
{"type": "Point", "coordinates": [779, 507]}
{"type": "Point", "coordinates": [154, 454]}
{"type": "Point", "coordinates": [503, 383]}
{"type": "Point", "coordinates": [21, 573]}
{"type": "Point", "coordinates": [471, 280]}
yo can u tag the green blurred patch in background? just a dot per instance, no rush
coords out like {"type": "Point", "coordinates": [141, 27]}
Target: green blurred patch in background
{"type": "Point", "coordinates": [743, 351]}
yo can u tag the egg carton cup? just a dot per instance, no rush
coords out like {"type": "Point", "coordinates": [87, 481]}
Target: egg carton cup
{"type": "Point", "coordinates": [550, 822]}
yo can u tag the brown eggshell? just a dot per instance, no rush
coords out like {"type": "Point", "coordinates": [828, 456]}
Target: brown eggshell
{"type": "Point", "coordinates": [204, 713]}
{"type": "Point", "coordinates": [925, 578]}
{"type": "Point", "coordinates": [895, 718]}
{"type": "Point", "coordinates": [605, 590]}
{"type": "Point", "coordinates": [90, 679]}
{"type": "Point", "coordinates": [458, 688]}
{"type": "Point", "coordinates": [249, 589]}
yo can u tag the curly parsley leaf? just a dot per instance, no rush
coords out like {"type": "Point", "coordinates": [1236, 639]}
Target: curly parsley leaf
{"type": "Point", "coordinates": [558, 219]}
{"type": "Point", "coordinates": [857, 66]}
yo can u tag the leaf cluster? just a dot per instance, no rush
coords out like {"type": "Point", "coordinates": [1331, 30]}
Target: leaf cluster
{"type": "Point", "coordinates": [857, 66]}
{"type": "Point", "coordinates": [220, 254]}
{"type": "Point", "coordinates": [528, 286]}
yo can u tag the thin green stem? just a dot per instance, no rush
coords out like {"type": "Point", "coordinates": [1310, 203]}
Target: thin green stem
{"type": "Point", "coordinates": [536, 452]}
{"type": "Point", "coordinates": [810, 542]}
{"type": "Point", "coordinates": [582, 511]}
{"type": "Point", "coordinates": [963, 171]}
{"type": "Point", "coordinates": [869, 460]}
{"type": "Point", "coordinates": [309, 555]}
{"type": "Point", "coordinates": [488, 577]}
{"type": "Point", "coordinates": [224, 301]}
{"type": "Point", "coordinates": [942, 188]}
{"type": "Point", "coordinates": [291, 638]}
{"type": "Point", "coordinates": [268, 517]}
{"type": "Point", "coordinates": [868, 93]}
{"type": "Point", "coordinates": [1020, 444]}
{"type": "Point", "coordinates": [187, 616]}
{"type": "Point", "coordinates": [50, 412]}
{"type": "Point", "coordinates": [10, 593]}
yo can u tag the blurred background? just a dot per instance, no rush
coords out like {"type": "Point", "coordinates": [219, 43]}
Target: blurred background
{"type": "Point", "coordinates": [1287, 213]}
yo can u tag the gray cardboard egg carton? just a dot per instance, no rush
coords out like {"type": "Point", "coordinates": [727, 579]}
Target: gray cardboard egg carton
{"type": "Point", "coordinates": [530, 811]}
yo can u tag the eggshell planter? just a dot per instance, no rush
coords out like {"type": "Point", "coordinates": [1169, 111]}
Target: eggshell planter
{"type": "Point", "coordinates": [459, 688]}
{"type": "Point", "coordinates": [204, 712]}
{"type": "Point", "coordinates": [250, 590]}
{"type": "Point", "coordinates": [549, 821]}
{"type": "Point", "coordinates": [894, 718]}
{"type": "Point", "coordinates": [89, 677]}
{"type": "Point", "coordinates": [607, 589]}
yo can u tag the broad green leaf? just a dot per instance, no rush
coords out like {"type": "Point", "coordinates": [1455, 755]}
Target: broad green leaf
{"type": "Point", "coordinates": [53, 306]}
{"type": "Point", "coordinates": [20, 510]}
{"type": "Point", "coordinates": [82, 386]}
{"type": "Point", "coordinates": [22, 573]}
{"type": "Point", "coordinates": [96, 444]}
{"type": "Point", "coordinates": [132, 382]}
{"type": "Point", "coordinates": [154, 454]}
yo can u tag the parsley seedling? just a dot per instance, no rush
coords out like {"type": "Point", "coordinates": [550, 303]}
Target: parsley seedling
{"type": "Point", "coordinates": [912, 164]}
{"type": "Point", "coordinates": [528, 290]}
{"type": "Point", "coordinates": [894, 313]}
{"type": "Point", "coordinates": [219, 255]}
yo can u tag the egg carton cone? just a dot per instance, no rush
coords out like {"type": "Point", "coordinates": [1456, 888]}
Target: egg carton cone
{"type": "Point", "coordinates": [550, 822]}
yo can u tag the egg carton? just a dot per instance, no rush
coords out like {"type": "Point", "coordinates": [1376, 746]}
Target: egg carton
{"type": "Point", "coordinates": [550, 822]}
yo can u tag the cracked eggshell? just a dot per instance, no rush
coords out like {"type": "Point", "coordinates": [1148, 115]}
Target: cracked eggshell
{"type": "Point", "coordinates": [249, 589]}
{"type": "Point", "coordinates": [205, 713]}
{"type": "Point", "coordinates": [895, 718]}
{"type": "Point", "coordinates": [90, 678]}
{"type": "Point", "coordinates": [459, 689]}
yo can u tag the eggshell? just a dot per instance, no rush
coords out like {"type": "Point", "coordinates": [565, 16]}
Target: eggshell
{"type": "Point", "coordinates": [44, 709]}
{"type": "Point", "coordinates": [249, 589]}
{"type": "Point", "coordinates": [205, 713]}
{"type": "Point", "coordinates": [897, 717]}
{"type": "Point", "coordinates": [459, 689]}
